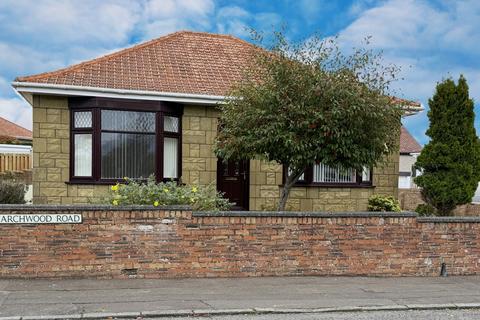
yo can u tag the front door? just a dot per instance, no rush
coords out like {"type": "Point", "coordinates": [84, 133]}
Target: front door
{"type": "Point", "coordinates": [232, 180]}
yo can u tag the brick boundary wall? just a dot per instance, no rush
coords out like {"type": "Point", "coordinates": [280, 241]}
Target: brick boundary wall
{"type": "Point", "coordinates": [173, 242]}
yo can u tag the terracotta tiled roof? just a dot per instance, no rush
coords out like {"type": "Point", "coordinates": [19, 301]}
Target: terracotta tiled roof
{"type": "Point", "coordinates": [406, 102]}
{"type": "Point", "coordinates": [182, 62]}
{"type": "Point", "coordinates": [408, 144]}
{"type": "Point", "coordinates": [10, 129]}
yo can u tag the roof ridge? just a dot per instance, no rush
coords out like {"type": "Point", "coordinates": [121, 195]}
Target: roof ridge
{"type": "Point", "coordinates": [138, 46]}
{"type": "Point", "coordinates": [15, 124]}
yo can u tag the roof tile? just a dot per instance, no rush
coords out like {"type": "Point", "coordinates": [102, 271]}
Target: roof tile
{"type": "Point", "coordinates": [408, 144]}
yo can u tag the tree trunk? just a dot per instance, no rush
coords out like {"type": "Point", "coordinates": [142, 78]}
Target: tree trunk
{"type": "Point", "coordinates": [290, 180]}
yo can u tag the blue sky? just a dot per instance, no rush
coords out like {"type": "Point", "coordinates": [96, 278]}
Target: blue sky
{"type": "Point", "coordinates": [430, 40]}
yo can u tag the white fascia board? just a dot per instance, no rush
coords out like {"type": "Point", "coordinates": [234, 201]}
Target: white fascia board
{"type": "Point", "coordinates": [411, 110]}
{"type": "Point", "coordinates": [68, 90]}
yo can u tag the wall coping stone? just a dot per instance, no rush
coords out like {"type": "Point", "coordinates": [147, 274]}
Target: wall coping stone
{"type": "Point", "coordinates": [87, 207]}
{"type": "Point", "coordinates": [259, 214]}
{"type": "Point", "coordinates": [366, 214]}
{"type": "Point", "coordinates": [448, 219]}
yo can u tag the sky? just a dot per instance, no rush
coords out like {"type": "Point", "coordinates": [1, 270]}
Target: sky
{"type": "Point", "coordinates": [429, 39]}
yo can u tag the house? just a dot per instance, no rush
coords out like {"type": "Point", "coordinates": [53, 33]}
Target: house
{"type": "Point", "coordinates": [14, 133]}
{"type": "Point", "coordinates": [409, 151]}
{"type": "Point", "coordinates": [15, 147]}
{"type": "Point", "coordinates": [151, 109]}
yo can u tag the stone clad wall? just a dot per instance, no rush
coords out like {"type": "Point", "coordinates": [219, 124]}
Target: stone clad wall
{"type": "Point", "coordinates": [266, 181]}
{"type": "Point", "coordinates": [199, 129]}
{"type": "Point", "coordinates": [51, 155]}
{"type": "Point", "coordinates": [172, 242]}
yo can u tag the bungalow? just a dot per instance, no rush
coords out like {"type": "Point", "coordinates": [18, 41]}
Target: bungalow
{"type": "Point", "coordinates": [151, 109]}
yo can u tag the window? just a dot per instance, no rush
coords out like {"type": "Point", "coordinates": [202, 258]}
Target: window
{"type": "Point", "coordinates": [82, 143]}
{"type": "Point", "coordinates": [127, 144]}
{"type": "Point", "coordinates": [113, 139]}
{"type": "Point", "coordinates": [321, 174]}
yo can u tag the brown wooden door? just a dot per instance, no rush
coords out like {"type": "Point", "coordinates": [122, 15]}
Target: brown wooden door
{"type": "Point", "coordinates": [233, 180]}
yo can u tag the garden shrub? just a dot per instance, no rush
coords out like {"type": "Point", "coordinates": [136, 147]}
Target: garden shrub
{"type": "Point", "coordinates": [134, 192]}
{"type": "Point", "coordinates": [425, 210]}
{"type": "Point", "coordinates": [383, 203]}
{"type": "Point", "coordinates": [12, 192]}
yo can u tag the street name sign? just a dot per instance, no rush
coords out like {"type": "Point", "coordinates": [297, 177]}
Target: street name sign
{"type": "Point", "coordinates": [40, 218]}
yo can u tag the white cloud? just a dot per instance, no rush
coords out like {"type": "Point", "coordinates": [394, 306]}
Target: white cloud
{"type": "Point", "coordinates": [66, 22]}
{"type": "Point", "coordinates": [430, 42]}
{"type": "Point", "coordinates": [409, 24]}
{"type": "Point", "coordinates": [17, 111]}
{"type": "Point", "coordinates": [233, 20]}
{"type": "Point", "coordinates": [165, 16]}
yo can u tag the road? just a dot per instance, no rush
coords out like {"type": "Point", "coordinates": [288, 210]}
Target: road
{"type": "Point", "coordinates": [376, 315]}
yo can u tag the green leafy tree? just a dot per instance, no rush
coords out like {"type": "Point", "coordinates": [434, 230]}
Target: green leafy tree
{"type": "Point", "coordinates": [451, 160]}
{"type": "Point", "coordinates": [306, 103]}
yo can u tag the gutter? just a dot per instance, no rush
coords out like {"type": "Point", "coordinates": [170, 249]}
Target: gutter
{"type": "Point", "coordinates": [24, 88]}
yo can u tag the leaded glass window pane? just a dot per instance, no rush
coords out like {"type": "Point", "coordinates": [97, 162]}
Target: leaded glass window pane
{"type": "Point", "coordinates": [83, 119]}
{"type": "Point", "coordinates": [128, 121]}
{"type": "Point", "coordinates": [170, 124]}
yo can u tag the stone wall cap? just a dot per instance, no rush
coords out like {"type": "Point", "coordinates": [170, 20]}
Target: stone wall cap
{"type": "Point", "coordinates": [87, 207]}
{"type": "Point", "coordinates": [366, 214]}
{"type": "Point", "coordinates": [448, 219]}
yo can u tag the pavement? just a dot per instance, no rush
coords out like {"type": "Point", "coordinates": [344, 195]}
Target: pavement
{"type": "Point", "coordinates": [142, 298]}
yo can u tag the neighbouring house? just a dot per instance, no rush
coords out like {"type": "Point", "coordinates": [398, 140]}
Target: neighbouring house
{"type": "Point", "coordinates": [13, 133]}
{"type": "Point", "coordinates": [16, 154]}
{"type": "Point", "coordinates": [15, 147]}
{"type": "Point", "coordinates": [151, 109]}
{"type": "Point", "coordinates": [409, 151]}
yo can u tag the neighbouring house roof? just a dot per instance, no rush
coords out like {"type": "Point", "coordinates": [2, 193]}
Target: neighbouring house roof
{"type": "Point", "coordinates": [10, 129]}
{"type": "Point", "coordinates": [408, 144]}
{"type": "Point", "coordinates": [173, 67]}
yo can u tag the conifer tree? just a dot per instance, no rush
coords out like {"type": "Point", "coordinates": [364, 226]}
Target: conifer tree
{"type": "Point", "coordinates": [450, 162]}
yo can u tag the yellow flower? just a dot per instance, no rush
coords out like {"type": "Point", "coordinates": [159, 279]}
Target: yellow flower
{"type": "Point", "coordinates": [192, 199]}
{"type": "Point", "coordinates": [165, 190]}
{"type": "Point", "coordinates": [194, 189]}
{"type": "Point", "coordinates": [115, 187]}
{"type": "Point", "coordinates": [115, 202]}
{"type": "Point", "coordinates": [155, 204]}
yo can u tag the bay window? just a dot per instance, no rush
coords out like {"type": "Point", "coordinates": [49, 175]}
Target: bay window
{"type": "Point", "coordinates": [113, 139]}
